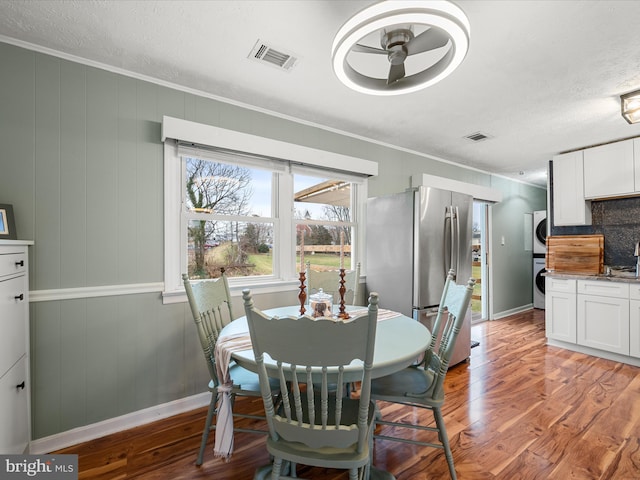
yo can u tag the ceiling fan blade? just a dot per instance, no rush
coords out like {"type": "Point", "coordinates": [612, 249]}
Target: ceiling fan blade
{"type": "Point", "coordinates": [366, 49]}
{"type": "Point", "coordinates": [427, 40]}
{"type": "Point", "coordinates": [396, 72]}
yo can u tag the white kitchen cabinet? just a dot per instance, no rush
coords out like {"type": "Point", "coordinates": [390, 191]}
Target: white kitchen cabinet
{"type": "Point", "coordinates": [14, 348]}
{"type": "Point", "coordinates": [634, 328]}
{"type": "Point", "coordinates": [560, 309]}
{"type": "Point", "coordinates": [569, 205]}
{"type": "Point", "coordinates": [634, 320]}
{"type": "Point", "coordinates": [603, 315]}
{"type": "Point", "coordinates": [609, 170]}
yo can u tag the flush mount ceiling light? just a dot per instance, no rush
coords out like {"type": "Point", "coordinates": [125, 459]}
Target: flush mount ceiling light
{"type": "Point", "coordinates": [630, 106]}
{"type": "Point", "coordinates": [423, 42]}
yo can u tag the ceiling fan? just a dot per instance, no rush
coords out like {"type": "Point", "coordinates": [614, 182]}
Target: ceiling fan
{"type": "Point", "coordinates": [444, 41]}
{"type": "Point", "coordinates": [399, 43]}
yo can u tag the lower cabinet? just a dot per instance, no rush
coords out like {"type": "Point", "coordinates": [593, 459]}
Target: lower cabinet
{"type": "Point", "coordinates": [598, 314]}
{"type": "Point", "coordinates": [560, 309]}
{"type": "Point", "coordinates": [603, 322]}
{"type": "Point", "coordinates": [634, 320]}
{"type": "Point", "coordinates": [603, 316]}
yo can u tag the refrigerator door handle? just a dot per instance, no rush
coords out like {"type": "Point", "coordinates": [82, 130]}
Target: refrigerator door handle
{"type": "Point", "coordinates": [448, 232]}
{"type": "Point", "coordinates": [456, 217]}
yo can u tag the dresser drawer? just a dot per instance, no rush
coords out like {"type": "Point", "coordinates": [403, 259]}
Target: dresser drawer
{"type": "Point", "coordinates": [603, 288]}
{"type": "Point", "coordinates": [13, 320]}
{"type": "Point", "coordinates": [12, 263]}
{"type": "Point", "coordinates": [14, 409]}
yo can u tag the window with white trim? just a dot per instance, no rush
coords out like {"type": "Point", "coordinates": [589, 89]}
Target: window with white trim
{"type": "Point", "coordinates": [259, 217]}
{"type": "Point", "coordinates": [324, 219]}
{"type": "Point", "coordinates": [230, 216]}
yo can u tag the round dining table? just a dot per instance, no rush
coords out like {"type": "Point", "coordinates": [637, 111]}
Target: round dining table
{"type": "Point", "coordinates": [400, 341]}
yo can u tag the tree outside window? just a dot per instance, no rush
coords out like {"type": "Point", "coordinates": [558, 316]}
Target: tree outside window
{"type": "Point", "coordinates": [220, 201]}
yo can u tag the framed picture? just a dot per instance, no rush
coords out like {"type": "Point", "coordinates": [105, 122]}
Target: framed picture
{"type": "Point", "coordinates": [7, 223]}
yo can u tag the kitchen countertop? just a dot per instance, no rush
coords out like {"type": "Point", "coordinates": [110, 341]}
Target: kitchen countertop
{"type": "Point", "coordinates": [623, 277]}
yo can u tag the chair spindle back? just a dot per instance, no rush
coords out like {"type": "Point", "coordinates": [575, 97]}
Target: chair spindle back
{"type": "Point", "coordinates": [310, 356]}
{"type": "Point", "coordinates": [450, 317]}
{"type": "Point", "coordinates": [210, 302]}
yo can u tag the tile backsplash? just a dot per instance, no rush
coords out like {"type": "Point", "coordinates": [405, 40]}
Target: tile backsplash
{"type": "Point", "coordinates": [619, 221]}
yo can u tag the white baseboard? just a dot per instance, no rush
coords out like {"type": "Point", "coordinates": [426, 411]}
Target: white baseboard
{"type": "Point", "coordinates": [513, 311]}
{"type": "Point", "coordinates": [117, 424]}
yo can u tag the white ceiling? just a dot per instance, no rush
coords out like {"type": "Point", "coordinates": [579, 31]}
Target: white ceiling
{"type": "Point", "coordinates": [540, 77]}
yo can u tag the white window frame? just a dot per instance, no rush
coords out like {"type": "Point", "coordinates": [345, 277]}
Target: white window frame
{"type": "Point", "coordinates": [342, 166]}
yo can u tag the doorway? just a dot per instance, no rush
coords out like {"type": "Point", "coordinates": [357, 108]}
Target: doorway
{"type": "Point", "coordinates": [480, 262]}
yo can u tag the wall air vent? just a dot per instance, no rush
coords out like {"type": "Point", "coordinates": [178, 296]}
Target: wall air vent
{"type": "Point", "coordinates": [276, 57]}
{"type": "Point", "coordinates": [478, 137]}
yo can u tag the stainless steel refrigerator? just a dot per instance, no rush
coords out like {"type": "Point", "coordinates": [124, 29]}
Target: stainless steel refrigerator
{"type": "Point", "coordinates": [413, 239]}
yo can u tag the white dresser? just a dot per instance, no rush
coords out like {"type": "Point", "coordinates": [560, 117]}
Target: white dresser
{"type": "Point", "coordinates": [15, 416]}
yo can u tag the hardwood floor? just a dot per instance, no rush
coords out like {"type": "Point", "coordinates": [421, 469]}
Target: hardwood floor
{"type": "Point", "coordinates": [519, 409]}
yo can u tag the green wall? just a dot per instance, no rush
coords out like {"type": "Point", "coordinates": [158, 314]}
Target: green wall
{"type": "Point", "coordinates": [81, 163]}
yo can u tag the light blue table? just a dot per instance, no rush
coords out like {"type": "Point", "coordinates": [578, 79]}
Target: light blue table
{"type": "Point", "coordinates": [399, 342]}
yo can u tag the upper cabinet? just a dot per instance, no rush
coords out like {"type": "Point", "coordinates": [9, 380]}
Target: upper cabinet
{"type": "Point", "coordinates": [609, 170]}
{"type": "Point", "coordinates": [606, 171]}
{"type": "Point", "coordinates": [569, 206]}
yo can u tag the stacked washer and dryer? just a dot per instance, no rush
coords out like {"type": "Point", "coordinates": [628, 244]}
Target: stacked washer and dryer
{"type": "Point", "coordinates": [539, 252]}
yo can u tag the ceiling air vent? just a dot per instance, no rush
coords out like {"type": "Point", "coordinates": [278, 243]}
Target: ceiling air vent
{"type": "Point", "coordinates": [278, 58]}
{"type": "Point", "coordinates": [478, 137]}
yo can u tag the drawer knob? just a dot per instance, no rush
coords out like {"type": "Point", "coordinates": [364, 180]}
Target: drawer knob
{"type": "Point", "coordinates": [19, 297]}
{"type": "Point", "coordinates": [21, 386]}
{"type": "Point", "coordinates": [20, 263]}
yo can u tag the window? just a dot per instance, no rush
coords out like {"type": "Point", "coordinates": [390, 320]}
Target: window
{"type": "Point", "coordinates": [324, 220]}
{"type": "Point", "coordinates": [244, 208]}
{"type": "Point", "coordinates": [227, 217]}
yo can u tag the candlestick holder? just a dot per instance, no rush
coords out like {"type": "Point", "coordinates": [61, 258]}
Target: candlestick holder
{"type": "Point", "coordinates": [342, 313]}
{"type": "Point", "coordinates": [302, 296]}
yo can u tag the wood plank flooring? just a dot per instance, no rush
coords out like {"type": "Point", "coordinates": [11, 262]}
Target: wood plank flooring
{"type": "Point", "coordinates": [519, 409]}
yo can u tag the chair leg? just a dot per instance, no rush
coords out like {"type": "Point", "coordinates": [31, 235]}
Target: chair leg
{"type": "Point", "coordinates": [207, 428]}
{"type": "Point", "coordinates": [444, 438]}
{"type": "Point", "coordinates": [276, 468]}
{"type": "Point", "coordinates": [378, 414]}
{"type": "Point", "coordinates": [376, 474]}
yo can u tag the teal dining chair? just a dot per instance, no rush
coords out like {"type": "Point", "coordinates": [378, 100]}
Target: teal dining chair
{"type": "Point", "coordinates": [210, 302]}
{"type": "Point", "coordinates": [329, 282]}
{"type": "Point", "coordinates": [316, 423]}
{"type": "Point", "coordinates": [422, 385]}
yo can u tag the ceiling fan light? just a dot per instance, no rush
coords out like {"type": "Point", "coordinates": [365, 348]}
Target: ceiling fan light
{"type": "Point", "coordinates": [440, 14]}
{"type": "Point", "coordinates": [630, 106]}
